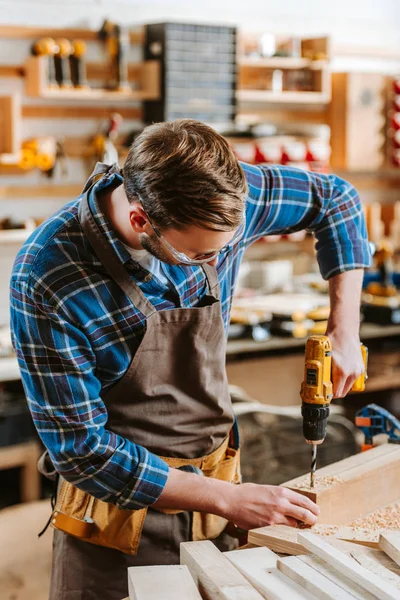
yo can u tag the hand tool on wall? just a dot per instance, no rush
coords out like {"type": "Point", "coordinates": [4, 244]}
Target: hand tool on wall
{"type": "Point", "coordinates": [38, 153]}
{"type": "Point", "coordinates": [381, 303]}
{"type": "Point", "coordinates": [78, 64]}
{"type": "Point", "coordinates": [104, 143]}
{"type": "Point", "coordinates": [61, 62]}
{"type": "Point", "coordinates": [317, 392]}
{"type": "Point", "coordinates": [49, 48]}
{"type": "Point", "coordinates": [374, 420]}
{"type": "Point", "coordinates": [116, 39]}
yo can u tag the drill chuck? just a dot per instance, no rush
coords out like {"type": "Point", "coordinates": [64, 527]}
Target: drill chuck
{"type": "Point", "coordinates": [315, 418]}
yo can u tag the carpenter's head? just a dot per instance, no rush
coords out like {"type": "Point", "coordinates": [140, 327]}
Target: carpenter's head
{"type": "Point", "coordinates": [186, 189]}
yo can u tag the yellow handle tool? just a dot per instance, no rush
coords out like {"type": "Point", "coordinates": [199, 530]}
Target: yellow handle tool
{"type": "Point", "coordinates": [316, 391]}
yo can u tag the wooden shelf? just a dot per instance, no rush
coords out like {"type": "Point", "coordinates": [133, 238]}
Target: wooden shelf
{"type": "Point", "coordinates": [368, 331]}
{"type": "Point", "coordinates": [22, 32]}
{"type": "Point", "coordinates": [37, 84]}
{"type": "Point", "coordinates": [283, 97]}
{"type": "Point", "coordinates": [282, 62]}
{"type": "Point", "coordinates": [70, 190]}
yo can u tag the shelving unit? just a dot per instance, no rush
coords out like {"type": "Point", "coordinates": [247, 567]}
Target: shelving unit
{"type": "Point", "coordinates": [255, 74]}
{"type": "Point", "coordinates": [37, 77]}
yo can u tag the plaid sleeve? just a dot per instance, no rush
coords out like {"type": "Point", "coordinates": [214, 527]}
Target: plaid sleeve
{"type": "Point", "coordinates": [285, 199]}
{"type": "Point", "coordinates": [57, 367]}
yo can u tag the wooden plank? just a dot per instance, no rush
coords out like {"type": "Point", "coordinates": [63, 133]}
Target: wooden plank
{"type": "Point", "coordinates": [12, 71]}
{"type": "Point", "coordinates": [214, 574]}
{"type": "Point", "coordinates": [10, 120]}
{"type": "Point", "coordinates": [354, 486]}
{"type": "Point", "coordinates": [339, 579]}
{"type": "Point", "coordinates": [278, 538]}
{"type": "Point", "coordinates": [340, 561]}
{"type": "Point", "coordinates": [312, 580]}
{"type": "Point", "coordinates": [258, 565]}
{"type": "Point", "coordinates": [380, 564]}
{"type": "Point", "coordinates": [21, 32]}
{"type": "Point", "coordinates": [282, 115]}
{"type": "Point", "coordinates": [79, 112]}
{"type": "Point", "coordinates": [283, 539]}
{"type": "Point", "coordinates": [167, 581]}
{"type": "Point", "coordinates": [390, 543]}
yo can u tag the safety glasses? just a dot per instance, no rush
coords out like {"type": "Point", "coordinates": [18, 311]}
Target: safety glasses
{"type": "Point", "coordinates": [201, 259]}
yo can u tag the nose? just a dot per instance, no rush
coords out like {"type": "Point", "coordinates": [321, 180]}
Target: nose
{"type": "Point", "coordinates": [213, 262]}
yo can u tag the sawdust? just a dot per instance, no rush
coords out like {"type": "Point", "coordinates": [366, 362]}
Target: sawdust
{"type": "Point", "coordinates": [321, 483]}
{"type": "Point", "coordinates": [387, 517]}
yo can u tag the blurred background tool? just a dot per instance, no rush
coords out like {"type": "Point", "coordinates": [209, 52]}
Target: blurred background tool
{"type": "Point", "coordinates": [39, 152]}
{"type": "Point", "coordinates": [317, 392]}
{"type": "Point", "coordinates": [61, 62]}
{"type": "Point", "coordinates": [374, 420]}
{"type": "Point", "coordinates": [381, 303]}
{"type": "Point", "coordinates": [78, 64]}
{"type": "Point", "coordinates": [116, 39]}
{"type": "Point", "coordinates": [49, 48]}
{"type": "Point", "coordinates": [104, 143]}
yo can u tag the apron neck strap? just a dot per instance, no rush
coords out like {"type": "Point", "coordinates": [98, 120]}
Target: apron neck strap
{"type": "Point", "coordinates": [109, 260]}
{"type": "Point", "coordinates": [212, 280]}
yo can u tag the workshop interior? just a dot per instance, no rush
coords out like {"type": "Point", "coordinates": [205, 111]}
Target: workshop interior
{"type": "Point", "coordinates": [313, 86]}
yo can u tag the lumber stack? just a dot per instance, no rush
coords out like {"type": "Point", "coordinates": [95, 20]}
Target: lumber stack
{"type": "Point", "coordinates": [329, 571]}
{"type": "Point", "coordinates": [354, 552]}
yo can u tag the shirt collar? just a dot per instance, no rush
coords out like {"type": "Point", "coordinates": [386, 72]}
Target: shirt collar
{"type": "Point", "coordinates": [108, 180]}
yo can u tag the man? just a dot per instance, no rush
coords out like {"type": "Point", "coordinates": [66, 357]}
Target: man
{"type": "Point", "coordinates": [119, 307]}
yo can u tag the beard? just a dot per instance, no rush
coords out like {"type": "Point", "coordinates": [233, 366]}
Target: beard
{"type": "Point", "coordinates": [153, 246]}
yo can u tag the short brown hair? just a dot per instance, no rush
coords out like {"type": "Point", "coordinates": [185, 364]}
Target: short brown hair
{"type": "Point", "coordinates": [186, 174]}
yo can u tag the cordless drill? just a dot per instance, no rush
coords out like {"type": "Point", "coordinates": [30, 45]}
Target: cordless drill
{"type": "Point", "coordinates": [316, 392]}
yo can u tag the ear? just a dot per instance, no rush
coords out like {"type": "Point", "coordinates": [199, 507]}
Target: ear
{"type": "Point", "coordinates": [138, 219]}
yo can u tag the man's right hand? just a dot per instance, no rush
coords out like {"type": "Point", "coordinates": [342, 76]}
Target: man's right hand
{"type": "Point", "coordinates": [251, 506]}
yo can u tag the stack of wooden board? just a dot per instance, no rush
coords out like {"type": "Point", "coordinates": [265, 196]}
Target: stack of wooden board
{"type": "Point", "coordinates": [326, 572]}
{"type": "Point", "coordinates": [353, 552]}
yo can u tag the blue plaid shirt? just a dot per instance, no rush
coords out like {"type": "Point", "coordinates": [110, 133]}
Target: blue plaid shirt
{"type": "Point", "coordinates": [75, 332]}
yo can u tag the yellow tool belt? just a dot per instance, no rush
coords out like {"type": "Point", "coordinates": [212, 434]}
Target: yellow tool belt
{"type": "Point", "coordinates": [102, 523]}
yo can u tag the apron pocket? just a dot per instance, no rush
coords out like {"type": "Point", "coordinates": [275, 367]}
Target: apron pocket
{"type": "Point", "coordinates": [207, 526]}
{"type": "Point", "coordinates": [97, 522]}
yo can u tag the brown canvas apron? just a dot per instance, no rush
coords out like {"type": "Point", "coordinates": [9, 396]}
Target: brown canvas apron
{"type": "Point", "coordinates": [174, 401]}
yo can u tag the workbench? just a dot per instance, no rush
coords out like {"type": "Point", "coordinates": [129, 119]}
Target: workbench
{"type": "Point", "coordinates": [271, 371]}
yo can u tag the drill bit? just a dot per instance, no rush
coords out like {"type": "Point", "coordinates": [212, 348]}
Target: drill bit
{"type": "Point", "coordinates": [313, 464]}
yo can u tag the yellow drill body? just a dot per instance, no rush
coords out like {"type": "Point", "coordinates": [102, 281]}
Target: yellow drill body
{"type": "Point", "coordinates": [317, 391]}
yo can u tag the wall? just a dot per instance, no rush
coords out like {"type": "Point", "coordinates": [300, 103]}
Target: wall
{"type": "Point", "coordinates": [352, 24]}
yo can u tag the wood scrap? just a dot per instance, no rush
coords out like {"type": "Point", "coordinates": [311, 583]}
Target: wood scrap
{"type": "Point", "coordinates": [283, 539]}
{"type": "Point", "coordinates": [355, 486]}
{"type": "Point", "coordinates": [333, 575]}
{"type": "Point", "coordinates": [259, 566]}
{"type": "Point", "coordinates": [384, 590]}
{"type": "Point", "coordinates": [167, 582]}
{"type": "Point", "coordinates": [312, 579]}
{"type": "Point", "coordinates": [279, 538]}
{"type": "Point", "coordinates": [214, 574]}
{"type": "Point", "coordinates": [380, 564]}
{"type": "Point", "coordinates": [390, 543]}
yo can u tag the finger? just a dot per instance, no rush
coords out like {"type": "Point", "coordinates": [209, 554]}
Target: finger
{"type": "Point", "coordinates": [338, 381]}
{"type": "Point", "coordinates": [303, 502]}
{"type": "Point", "coordinates": [348, 385]}
{"type": "Point", "coordinates": [289, 521]}
{"type": "Point", "coordinates": [300, 514]}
